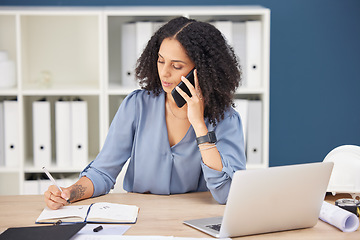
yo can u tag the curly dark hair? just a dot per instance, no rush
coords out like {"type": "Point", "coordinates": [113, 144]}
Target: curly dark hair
{"type": "Point", "coordinates": [217, 67]}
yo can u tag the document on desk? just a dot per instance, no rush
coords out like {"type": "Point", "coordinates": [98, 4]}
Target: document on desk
{"type": "Point", "coordinates": [101, 212]}
{"type": "Point", "coordinates": [338, 217]}
{"type": "Point", "coordinates": [117, 237]}
{"type": "Point", "coordinates": [107, 229]}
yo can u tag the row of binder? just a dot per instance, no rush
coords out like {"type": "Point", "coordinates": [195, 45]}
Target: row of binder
{"type": "Point", "coordinates": [244, 37]}
{"type": "Point", "coordinates": [71, 133]}
{"type": "Point", "coordinates": [9, 133]}
{"type": "Point", "coordinates": [251, 117]}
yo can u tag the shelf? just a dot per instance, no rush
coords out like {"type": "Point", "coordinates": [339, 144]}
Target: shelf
{"type": "Point", "coordinates": [69, 52]}
{"type": "Point", "coordinates": [29, 168]}
{"type": "Point", "coordinates": [53, 169]}
{"type": "Point", "coordinates": [4, 169]}
{"type": "Point", "coordinates": [8, 92]}
{"type": "Point", "coordinates": [117, 89]}
{"type": "Point", "coordinates": [76, 89]}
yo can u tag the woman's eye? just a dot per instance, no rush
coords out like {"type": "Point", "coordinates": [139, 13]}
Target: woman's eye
{"type": "Point", "coordinates": [177, 67]}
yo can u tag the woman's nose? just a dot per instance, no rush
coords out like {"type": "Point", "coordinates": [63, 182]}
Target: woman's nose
{"type": "Point", "coordinates": [164, 72]}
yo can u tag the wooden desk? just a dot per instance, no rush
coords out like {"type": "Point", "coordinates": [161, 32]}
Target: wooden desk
{"type": "Point", "coordinates": [160, 215]}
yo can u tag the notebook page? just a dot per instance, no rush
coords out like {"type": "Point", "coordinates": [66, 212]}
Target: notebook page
{"type": "Point", "coordinates": [73, 213]}
{"type": "Point", "coordinates": [112, 212]}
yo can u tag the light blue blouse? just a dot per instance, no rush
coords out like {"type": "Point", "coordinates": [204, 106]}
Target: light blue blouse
{"type": "Point", "coordinates": [138, 133]}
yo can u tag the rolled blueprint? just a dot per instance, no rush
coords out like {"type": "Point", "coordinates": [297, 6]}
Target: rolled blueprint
{"type": "Point", "coordinates": [338, 217]}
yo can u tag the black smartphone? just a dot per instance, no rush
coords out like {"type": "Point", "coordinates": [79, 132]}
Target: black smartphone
{"type": "Point", "coordinates": [179, 100]}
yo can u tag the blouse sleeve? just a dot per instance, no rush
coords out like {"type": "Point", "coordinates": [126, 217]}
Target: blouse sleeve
{"type": "Point", "coordinates": [116, 150]}
{"type": "Point", "coordinates": [230, 144]}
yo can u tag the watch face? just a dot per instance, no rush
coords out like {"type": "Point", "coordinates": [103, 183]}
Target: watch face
{"type": "Point", "coordinates": [212, 137]}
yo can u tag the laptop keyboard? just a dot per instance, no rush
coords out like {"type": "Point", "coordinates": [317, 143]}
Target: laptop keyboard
{"type": "Point", "coordinates": [215, 227]}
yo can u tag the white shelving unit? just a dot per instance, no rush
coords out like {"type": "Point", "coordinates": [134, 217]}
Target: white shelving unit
{"type": "Point", "coordinates": [79, 50]}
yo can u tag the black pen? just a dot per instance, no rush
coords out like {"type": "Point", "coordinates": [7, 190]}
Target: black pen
{"type": "Point", "coordinates": [97, 229]}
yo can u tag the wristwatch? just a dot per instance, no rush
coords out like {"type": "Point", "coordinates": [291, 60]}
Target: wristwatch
{"type": "Point", "coordinates": [210, 137]}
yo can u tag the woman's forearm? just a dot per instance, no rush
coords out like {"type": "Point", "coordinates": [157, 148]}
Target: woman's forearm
{"type": "Point", "coordinates": [82, 189]}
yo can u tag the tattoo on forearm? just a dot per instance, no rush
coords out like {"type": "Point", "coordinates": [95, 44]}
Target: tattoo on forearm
{"type": "Point", "coordinates": [77, 192]}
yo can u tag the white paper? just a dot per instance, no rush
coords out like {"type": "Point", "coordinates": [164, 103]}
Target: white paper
{"type": "Point", "coordinates": [64, 212]}
{"type": "Point", "coordinates": [116, 212]}
{"type": "Point", "coordinates": [117, 237]}
{"type": "Point", "coordinates": [338, 217]}
{"type": "Point", "coordinates": [108, 229]}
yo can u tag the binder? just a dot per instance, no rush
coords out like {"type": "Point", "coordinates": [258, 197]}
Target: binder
{"type": "Point", "coordinates": [225, 27]}
{"type": "Point", "coordinates": [2, 141]}
{"type": "Point", "coordinates": [239, 44]}
{"type": "Point", "coordinates": [128, 55]}
{"type": "Point", "coordinates": [79, 126]}
{"type": "Point", "coordinates": [134, 38]}
{"type": "Point", "coordinates": [253, 54]}
{"type": "Point", "coordinates": [42, 133]}
{"type": "Point", "coordinates": [11, 133]}
{"type": "Point", "coordinates": [144, 31]}
{"type": "Point", "coordinates": [254, 137]}
{"type": "Point", "coordinates": [63, 133]}
{"type": "Point", "coordinates": [157, 25]}
{"type": "Point", "coordinates": [242, 106]}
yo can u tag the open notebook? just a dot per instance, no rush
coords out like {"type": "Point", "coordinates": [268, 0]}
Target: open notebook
{"type": "Point", "coordinates": [102, 212]}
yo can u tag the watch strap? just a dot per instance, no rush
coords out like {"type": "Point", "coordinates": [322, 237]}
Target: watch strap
{"type": "Point", "coordinates": [210, 137]}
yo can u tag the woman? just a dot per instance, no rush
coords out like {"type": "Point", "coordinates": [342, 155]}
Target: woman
{"type": "Point", "coordinates": [172, 150]}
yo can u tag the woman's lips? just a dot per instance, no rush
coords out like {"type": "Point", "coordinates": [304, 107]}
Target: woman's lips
{"type": "Point", "coordinates": [166, 84]}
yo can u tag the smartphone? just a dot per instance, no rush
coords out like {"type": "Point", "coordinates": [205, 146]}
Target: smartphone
{"type": "Point", "coordinates": [179, 100]}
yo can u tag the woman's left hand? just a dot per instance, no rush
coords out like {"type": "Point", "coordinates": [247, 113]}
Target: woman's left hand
{"type": "Point", "coordinates": [195, 104]}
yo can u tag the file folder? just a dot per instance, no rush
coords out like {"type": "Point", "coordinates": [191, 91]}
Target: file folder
{"type": "Point", "coordinates": [253, 54]}
{"type": "Point", "coordinates": [79, 141]}
{"type": "Point", "coordinates": [128, 55]}
{"type": "Point", "coordinates": [157, 25]}
{"type": "Point", "coordinates": [225, 27]}
{"type": "Point", "coordinates": [239, 44]}
{"type": "Point", "coordinates": [2, 141]}
{"type": "Point", "coordinates": [63, 133]}
{"type": "Point", "coordinates": [144, 31]}
{"type": "Point", "coordinates": [254, 137]}
{"type": "Point", "coordinates": [11, 133]}
{"type": "Point", "coordinates": [242, 106]}
{"type": "Point", "coordinates": [42, 133]}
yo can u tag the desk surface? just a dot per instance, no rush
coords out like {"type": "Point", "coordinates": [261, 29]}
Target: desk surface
{"type": "Point", "coordinates": [160, 215]}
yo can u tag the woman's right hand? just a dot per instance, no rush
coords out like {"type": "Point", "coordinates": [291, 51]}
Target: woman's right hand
{"type": "Point", "coordinates": [56, 199]}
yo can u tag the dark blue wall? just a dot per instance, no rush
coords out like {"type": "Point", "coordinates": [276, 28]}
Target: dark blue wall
{"type": "Point", "coordinates": [315, 72]}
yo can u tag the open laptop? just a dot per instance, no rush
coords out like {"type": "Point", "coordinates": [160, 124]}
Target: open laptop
{"type": "Point", "coordinates": [270, 200]}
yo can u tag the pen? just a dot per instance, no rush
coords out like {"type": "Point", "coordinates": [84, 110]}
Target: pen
{"type": "Point", "coordinates": [97, 229]}
{"type": "Point", "coordinates": [52, 180]}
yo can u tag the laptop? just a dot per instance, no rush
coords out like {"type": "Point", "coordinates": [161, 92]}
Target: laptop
{"type": "Point", "coordinates": [270, 200]}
